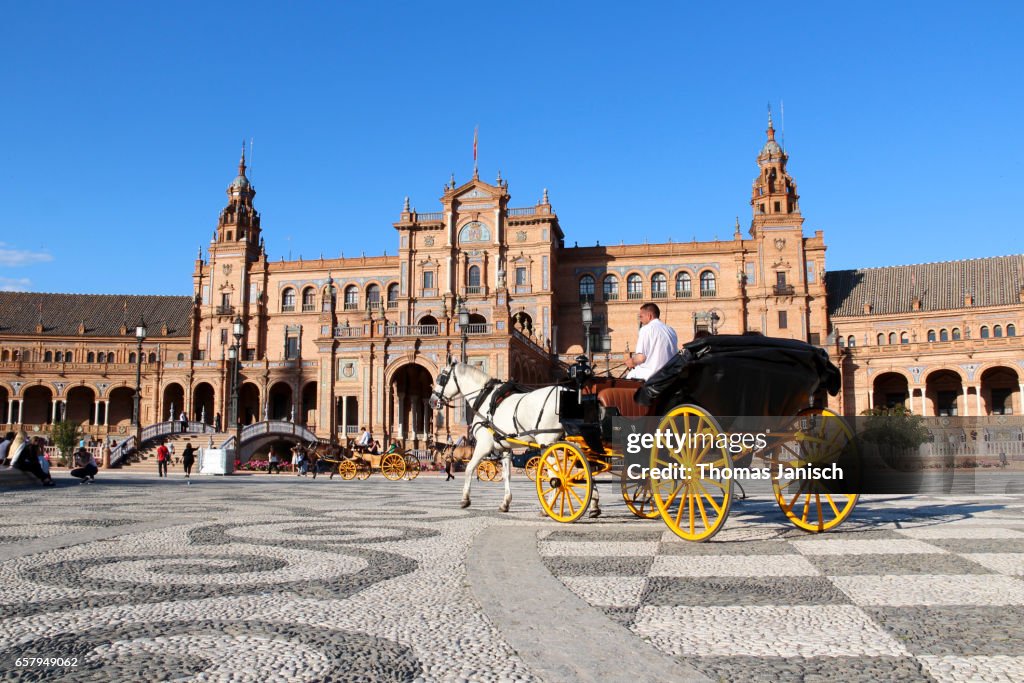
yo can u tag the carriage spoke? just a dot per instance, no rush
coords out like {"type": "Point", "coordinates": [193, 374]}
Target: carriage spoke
{"type": "Point", "coordinates": [821, 515]}
{"type": "Point", "coordinates": [832, 503]}
{"type": "Point", "coordinates": [703, 513]}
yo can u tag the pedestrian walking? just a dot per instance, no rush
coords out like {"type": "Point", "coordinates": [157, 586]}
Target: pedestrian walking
{"type": "Point", "coordinates": [188, 458]}
{"type": "Point", "coordinates": [170, 449]}
{"type": "Point", "coordinates": [183, 419]}
{"type": "Point", "coordinates": [216, 423]}
{"type": "Point", "coordinates": [162, 456]}
{"type": "Point", "coordinates": [275, 461]}
{"type": "Point", "coordinates": [295, 459]}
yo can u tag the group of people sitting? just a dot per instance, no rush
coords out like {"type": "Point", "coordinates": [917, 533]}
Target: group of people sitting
{"type": "Point", "coordinates": [29, 455]}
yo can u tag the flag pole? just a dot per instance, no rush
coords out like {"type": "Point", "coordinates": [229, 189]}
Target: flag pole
{"type": "Point", "coordinates": [476, 133]}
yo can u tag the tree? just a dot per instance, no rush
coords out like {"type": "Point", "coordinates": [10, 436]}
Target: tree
{"type": "Point", "coordinates": [897, 433]}
{"type": "Point", "coordinates": [66, 436]}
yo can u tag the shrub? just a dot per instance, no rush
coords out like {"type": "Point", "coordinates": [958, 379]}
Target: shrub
{"type": "Point", "coordinates": [66, 436]}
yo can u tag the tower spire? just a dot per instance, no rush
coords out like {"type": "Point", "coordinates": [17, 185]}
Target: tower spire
{"type": "Point", "coordinates": [241, 162]}
{"type": "Point", "coordinates": [771, 128]}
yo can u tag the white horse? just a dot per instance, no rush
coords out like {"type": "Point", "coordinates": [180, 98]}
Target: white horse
{"type": "Point", "coordinates": [531, 416]}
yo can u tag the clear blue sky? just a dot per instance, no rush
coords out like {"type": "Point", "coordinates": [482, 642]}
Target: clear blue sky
{"type": "Point", "coordinates": [121, 125]}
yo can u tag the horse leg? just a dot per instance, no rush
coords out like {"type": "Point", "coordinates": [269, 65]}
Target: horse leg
{"type": "Point", "coordinates": [483, 447]}
{"type": "Point", "coordinates": [595, 501]}
{"type": "Point", "coordinates": [506, 466]}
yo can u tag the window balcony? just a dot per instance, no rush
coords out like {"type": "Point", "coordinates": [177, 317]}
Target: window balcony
{"type": "Point", "coordinates": [659, 294]}
{"type": "Point", "coordinates": [783, 290]}
{"type": "Point", "coordinates": [478, 328]}
{"type": "Point", "coordinates": [411, 330]}
{"type": "Point", "coordinates": [225, 310]}
{"type": "Point", "coordinates": [632, 296]}
{"type": "Point", "coordinates": [474, 289]}
{"type": "Point", "coordinates": [684, 293]}
{"type": "Point", "coordinates": [351, 305]}
{"type": "Point", "coordinates": [393, 304]}
{"type": "Point", "coordinates": [708, 292]}
{"type": "Point", "coordinates": [288, 308]}
{"type": "Point", "coordinates": [611, 296]}
{"type": "Point", "coordinates": [308, 308]}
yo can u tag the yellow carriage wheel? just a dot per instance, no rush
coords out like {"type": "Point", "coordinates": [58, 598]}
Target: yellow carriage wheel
{"type": "Point", "coordinates": [638, 496]}
{"type": "Point", "coordinates": [692, 500]}
{"type": "Point", "coordinates": [486, 470]}
{"type": "Point", "coordinates": [392, 466]}
{"type": "Point", "coordinates": [564, 482]}
{"type": "Point", "coordinates": [412, 466]}
{"type": "Point", "coordinates": [817, 438]}
{"type": "Point", "coordinates": [531, 467]}
{"type": "Point", "coordinates": [363, 470]}
{"type": "Point", "coordinates": [347, 470]}
{"type": "Point", "coordinates": [499, 472]}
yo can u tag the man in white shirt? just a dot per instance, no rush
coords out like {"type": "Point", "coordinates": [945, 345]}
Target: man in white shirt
{"type": "Point", "coordinates": [655, 345]}
{"type": "Point", "coordinates": [365, 440]}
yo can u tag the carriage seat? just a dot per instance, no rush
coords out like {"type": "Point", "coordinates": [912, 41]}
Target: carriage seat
{"type": "Point", "coordinates": [621, 398]}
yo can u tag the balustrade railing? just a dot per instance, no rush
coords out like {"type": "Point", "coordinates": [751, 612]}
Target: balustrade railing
{"type": "Point", "coordinates": [411, 330]}
{"type": "Point", "coordinates": [529, 211]}
{"type": "Point", "coordinates": [431, 216]}
{"type": "Point", "coordinates": [478, 328]}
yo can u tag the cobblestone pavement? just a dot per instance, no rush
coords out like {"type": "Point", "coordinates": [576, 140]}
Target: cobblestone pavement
{"type": "Point", "coordinates": [289, 579]}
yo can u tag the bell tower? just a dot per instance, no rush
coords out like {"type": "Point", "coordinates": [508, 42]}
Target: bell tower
{"type": "Point", "coordinates": [239, 222]}
{"type": "Point", "coordinates": [773, 198]}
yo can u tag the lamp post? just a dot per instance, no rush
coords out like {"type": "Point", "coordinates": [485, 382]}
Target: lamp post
{"type": "Point", "coordinates": [587, 311]}
{"type": "Point", "coordinates": [235, 354]}
{"type": "Point", "coordinates": [714, 322]}
{"type": "Point", "coordinates": [140, 336]}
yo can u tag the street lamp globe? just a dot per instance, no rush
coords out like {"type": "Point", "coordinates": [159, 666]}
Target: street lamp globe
{"type": "Point", "coordinates": [140, 330]}
{"type": "Point", "coordinates": [588, 312]}
{"type": "Point", "coordinates": [463, 316]}
{"type": "Point", "coordinates": [238, 328]}
{"type": "Point", "coordinates": [232, 352]}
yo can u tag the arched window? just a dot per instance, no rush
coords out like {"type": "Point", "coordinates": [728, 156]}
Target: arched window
{"type": "Point", "coordinates": [892, 337]}
{"type": "Point", "coordinates": [393, 295]}
{"type": "Point", "coordinates": [634, 287]}
{"type": "Point", "coordinates": [58, 357]}
{"type": "Point", "coordinates": [881, 340]}
{"type": "Point", "coordinates": [587, 288]}
{"type": "Point", "coordinates": [152, 358]}
{"type": "Point", "coordinates": [473, 279]}
{"type": "Point", "coordinates": [611, 288]}
{"type": "Point", "coordinates": [984, 331]}
{"type": "Point", "coordinates": [850, 341]}
{"type": "Point", "coordinates": [943, 335]}
{"type": "Point", "coordinates": [956, 334]}
{"type": "Point", "coordinates": [841, 341]}
{"type": "Point", "coordinates": [373, 296]}
{"type": "Point", "coordinates": [131, 357]}
{"type": "Point", "coordinates": [48, 357]}
{"type": "Point", "coordinates": [659, 286]}
{"type": "Point", "coordinates": [351, 298]}
{"type": "Point", "coordinates": [931, 335]}
{"type": "Point", "coordinates": [288, 300]}
{"type": "Point", "coordinates": [707, 283]}
{"type": "Point", "coordinates": [684, 286]}
{"type": "Point", "coordinates": [181, 356]}
{"type": "Point", "coordinates": [89, 357]}
{"type": "Point", "coordinates": [904, 338]}
{"type": "Point", "coordinates": [308, 300]}
{"type": "Point", "coordinates": [69, 357]}
{"type": "Point", "coordinates": [330, 300]}
{"type": "Point", "coordinates": [997, 331]}
{"type": "Point", "coordinates": [1011, 330]}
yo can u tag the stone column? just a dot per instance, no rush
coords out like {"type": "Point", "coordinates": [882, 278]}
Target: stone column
{"type": "Point", "coordinates": [400, 415]}
{"type": "Point", "coordinates": [871, 399]}
{"type": "Point", "coordinates": [344, 419]}
{"type": "Point", "coordinates": [19, 402]}
{"type": "Point", "coordinates": [966, 404]}
{"type": "Point", "coordinates": [10, 407]}
{"type": "Point", "coordinates": [53, 410]}
{"type": "Point", "coordinates": [95, 411]}
{"type": "Point", "coordinates": [977, 400]}
{"type": "Point", "coordinates": [414, 421]}
{"type": "Point", "coordinates": [106, 413]}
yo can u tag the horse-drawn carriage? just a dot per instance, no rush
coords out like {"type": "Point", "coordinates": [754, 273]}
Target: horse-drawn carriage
{"type": "Point", "coordinates": [393, 464]}
{"type": "Point", "coordinates": [716, 388]}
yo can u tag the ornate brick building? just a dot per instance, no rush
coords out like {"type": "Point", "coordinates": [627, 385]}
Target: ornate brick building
{"type": "Point", "coordinates": [336, 344]}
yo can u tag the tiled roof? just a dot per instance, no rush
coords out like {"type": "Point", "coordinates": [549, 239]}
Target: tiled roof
{"type": "Point", "coordinates": [993, 281]}
{"type": "Point", "coordinates": [103, 314]}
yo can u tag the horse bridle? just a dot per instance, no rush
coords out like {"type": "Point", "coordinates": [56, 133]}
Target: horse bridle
{"type": "Point", "coordinates": [442, 381]}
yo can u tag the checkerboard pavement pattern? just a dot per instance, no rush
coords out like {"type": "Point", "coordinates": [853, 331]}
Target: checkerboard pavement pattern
{"type": "Point", "coordinates": [908, 589]}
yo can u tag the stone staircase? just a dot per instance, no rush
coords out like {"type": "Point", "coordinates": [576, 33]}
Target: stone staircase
{"type": "Point", "coordinates": [145, 460]}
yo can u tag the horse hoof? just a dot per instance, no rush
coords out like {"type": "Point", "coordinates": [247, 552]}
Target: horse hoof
{"type": "Point", "coordinates": [464, 504]}
{"type": "Point", "coordinates": [595, 513]}
{"type": "Point", "coordinates": [503, 508]}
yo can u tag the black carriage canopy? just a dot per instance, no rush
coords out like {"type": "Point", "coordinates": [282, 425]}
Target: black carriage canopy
{"type": "Point", "coordinates": [742, 375]}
